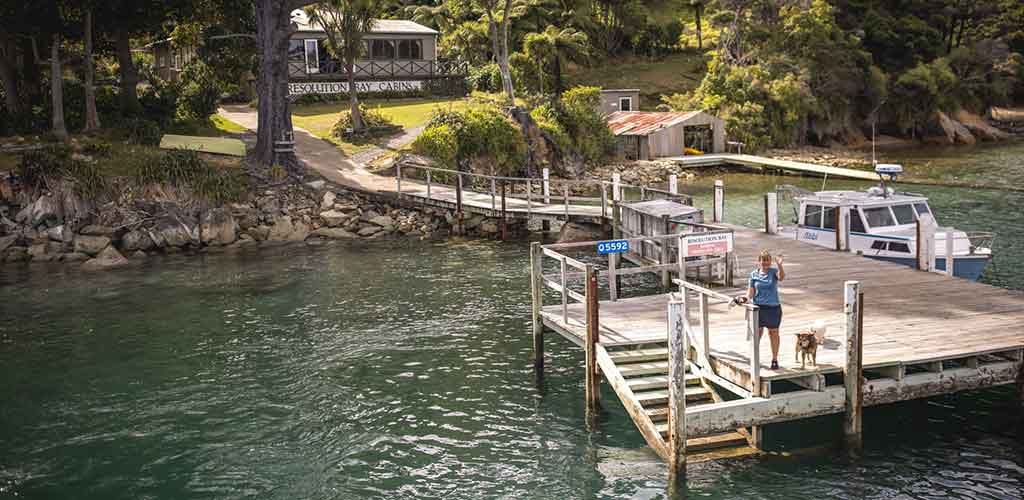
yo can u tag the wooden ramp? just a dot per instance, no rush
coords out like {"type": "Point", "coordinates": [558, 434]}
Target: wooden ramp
{"type": "Point", "coordinates": [771, 163]}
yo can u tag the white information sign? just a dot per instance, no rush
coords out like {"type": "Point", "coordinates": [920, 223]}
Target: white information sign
{"type": "Point", "coordinates": [696, 245]}
{"type": "Point", "coordinates": [303, 88]}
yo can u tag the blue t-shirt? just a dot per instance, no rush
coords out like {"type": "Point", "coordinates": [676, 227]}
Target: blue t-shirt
{"type": "Point", "coordinates": [766, 287]}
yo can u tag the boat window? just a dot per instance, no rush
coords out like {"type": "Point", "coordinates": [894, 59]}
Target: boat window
{"type": "Point", "coordinates": [878, 245]}
{"type": "Point", "coordinates": [922, 208]}
{"type": "Point", "coordinates": [904, 214]}
{"type": "Point", "coordinates": [856, 223]}
{"type": "Point", "coordinates": [879, 216]}
{"type": "Point", "coordinates": [828, 218]}
{"type": "Point", "coordinates": [899, 247]}
{"type": "Point", "coordinates": [812, 216]}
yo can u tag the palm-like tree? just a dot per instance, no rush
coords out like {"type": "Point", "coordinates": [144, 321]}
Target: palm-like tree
{"type": "Point", "coordinates": [552, 47]}
{"type": "Point", "coordinates": [435, 16]}
{"type": "Point", "coordinates": [345, 22]}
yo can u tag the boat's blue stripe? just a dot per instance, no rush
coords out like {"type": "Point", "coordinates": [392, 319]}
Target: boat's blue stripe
{"type": "Point", "coordinates": [869, 235]}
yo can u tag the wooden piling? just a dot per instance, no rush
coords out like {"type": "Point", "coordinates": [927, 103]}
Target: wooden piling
{"type": "Point", "coordinates": [459, 228]}
{"type": "Point", "coordinates": [843, 229]}
{"type": "Point", "coordinates": [665, 255]}
{"type": "Point", "coordinates": [673, 184]}
{"type": "Point", "coordinates": [504, 217]}
{"type": "Point", "coordinates": [950, 268]}
{"type": "Point", "coordinates": [853, 372]}
{"type": "Point", "coordinates": [592, 379]}
{"type": "Point", "coordinates": [677, 354]}
{"type": "Point", "coordinates": [545, 225]}
{"type": "Point", "coordinates": [536, 284]}
{"type": "Point", "coordinates": [616, 220]}
{"type": "Point", "coordinates": [718, 214]}
{"type": "Point", "coordinates": [771, 213]}
{"type": "Point", "coordinates": [925, 242]}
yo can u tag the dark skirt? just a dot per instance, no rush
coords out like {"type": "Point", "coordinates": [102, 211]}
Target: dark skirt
{"type": "Point", "coordinates": [769, 316]}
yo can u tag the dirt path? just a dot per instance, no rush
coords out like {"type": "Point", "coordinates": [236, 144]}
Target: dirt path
{"type": "Point", "coordinates": [322, 156]}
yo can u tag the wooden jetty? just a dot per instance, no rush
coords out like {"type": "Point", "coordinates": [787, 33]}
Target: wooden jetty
{"type": "Point", "coordinates": [711, 160]}
{"type": "Point", "coordinates": [686, 368]}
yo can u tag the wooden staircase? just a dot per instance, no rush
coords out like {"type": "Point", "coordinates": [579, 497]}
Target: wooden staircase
{"type": "Point", "coordinates": [645, 371]}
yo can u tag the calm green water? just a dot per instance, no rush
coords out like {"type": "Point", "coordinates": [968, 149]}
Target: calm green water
{"type": "Point", "coordinates": [401, 370]}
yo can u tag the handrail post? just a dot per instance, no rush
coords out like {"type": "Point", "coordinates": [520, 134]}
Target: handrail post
{"type": "Point", "coordinates": [613, 280]}
{"type": "Point", "coordinates": [536, 283]}
{"type": "Point", "coordinates": [565, 191]}
{"type": "Point", "coordinates": [617, 186]}
{"type": "Point", "coordinates": [755, 351]}
{"type": "Point", "coordinates": [718, 214]}
{"type": "Point", "coordinates": [529, 199]}
{"type": "Point", "coordinates": [604, 201]}
{"type": "Point", "coordinates": [504, 221]}
{"type": "Point", "coordinates": [678, 350]}
{"type": "Point", "coordinates": [459, 228]}
{"type": "Point", "coordinates": [843, 231]}
{"type": "Point", "coordinates": [428, 184]}
{"type": "Point", "coordinates": [493, 201]}
{"type": "Point", "coordinates": [673, 184]}
{"type": "Point", "coordinates": [664, 256]}
{"type": "Point", "coordinates": [705, 327]}
{"type": "Point", "coordinates": [545, 225]}
{"type": "Point", "coordinates": [681, 256]}
{"type": "Point", "coordinates": [853, 374]}
{"type": "Point", "coordinates": [616, 220]}
{"type": "Point", "coordinates": [565, 298]}
{"type": "Point", "coordinates": [593, 387]}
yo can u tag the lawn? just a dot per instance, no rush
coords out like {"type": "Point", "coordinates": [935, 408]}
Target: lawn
{"type": "Point", "coordinates": [408, 113]}
{"type": "Point", "coordinates": [216, 145]}
{"type": "Point", "coordinates": [677, 73]}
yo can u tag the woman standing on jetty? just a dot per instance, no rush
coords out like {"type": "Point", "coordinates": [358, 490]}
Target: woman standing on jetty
{"type": "Point", "coordinates": [763, 290]}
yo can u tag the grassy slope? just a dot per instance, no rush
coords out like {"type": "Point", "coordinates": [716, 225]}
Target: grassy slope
{"type": "Point", "coordinates": [408, 113]}
{"type": "Point", "coordinates": [677, 73]}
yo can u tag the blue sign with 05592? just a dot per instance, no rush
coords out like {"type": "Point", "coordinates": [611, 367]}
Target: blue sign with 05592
{"type": "Point", "coordinates": [614, 246]}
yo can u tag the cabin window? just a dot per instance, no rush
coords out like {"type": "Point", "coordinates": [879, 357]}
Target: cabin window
{"type": "Point", "coordinates": [856, 223]}
{"type": "Point", "coordinates": [828, 218]}
{"type": "Point", "coordinates": [625, 104]}
{"type": "Point", "coordinates": [904, 214]}
{"type": "Point", "coordinates": [312, 57]}
{"type": "Point", "coordinates": [899, 247]}
{"type": "Point", "coordinates": [878, 245]}
{"type": "Point", "coordinates": [879, 216]}
{"type": "Point", "coordinates": [296, 53]}
{"type": "Point", "coordinates": [382, 49]}
{"type": "Point", "coordinates": [922, 208]}
{"type": "Point", "coordinates": [812, 216]}
{"type": "Point", "coordinates": [410, 49]}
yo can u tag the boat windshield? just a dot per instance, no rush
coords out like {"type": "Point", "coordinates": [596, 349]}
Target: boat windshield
{"type": "Point", "coordinates": [922, 208]}
{"type": "Point", "coordinates": [879, 217]}
{"type": "Point", "coordinates": [904, 214]}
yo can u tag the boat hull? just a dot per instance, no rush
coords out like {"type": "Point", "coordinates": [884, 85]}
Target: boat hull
{"type": "Point", "coordinates": [970, 268]}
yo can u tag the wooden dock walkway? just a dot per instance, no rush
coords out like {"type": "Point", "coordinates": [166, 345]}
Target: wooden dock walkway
{"type": "Point", "coordinates": [907, 334]}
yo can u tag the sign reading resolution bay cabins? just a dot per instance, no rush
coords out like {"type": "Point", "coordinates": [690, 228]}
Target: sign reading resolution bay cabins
{"type": "Point", "coordinates": [303, 88]}
{"type": "Point", "coordinates": [696, 245]}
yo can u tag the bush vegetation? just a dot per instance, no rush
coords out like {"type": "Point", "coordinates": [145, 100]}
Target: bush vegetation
{"type": "Point", "coordinates": [375, 123]}
{"type": "Point", "coordinates": [480, 135]}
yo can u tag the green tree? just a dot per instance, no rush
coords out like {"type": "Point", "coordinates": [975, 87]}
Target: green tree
{"type": "Point", "coordinates": [550, 48]}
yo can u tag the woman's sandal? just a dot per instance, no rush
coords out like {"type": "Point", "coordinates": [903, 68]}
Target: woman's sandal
{"type": "Point", "coordinates": [775, 365]}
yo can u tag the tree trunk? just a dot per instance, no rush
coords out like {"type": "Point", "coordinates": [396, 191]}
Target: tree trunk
{"type": "Point", "coordinates": [92, 119]}
{"type": "Point", "coordinates": [558, 75]}
{"type": "Point", "coordinates": [31, 74]}
{"type": "Point", "coordinates": [499, 41]}
{"type": "Point", "coordinates": [960, 33]}
{"type": "Point", "coordinates": [273, 30]}
{"type": "Point", "coordinates": [128, 73]}
{"type": "Point", "coordinates": [353, 95]}
{"type": "Point", "coordinates": [700, 37]}
{"type": "Point", "coordinates": [57, 86]}
{"type": "Point", "coordinates": [9, 74]}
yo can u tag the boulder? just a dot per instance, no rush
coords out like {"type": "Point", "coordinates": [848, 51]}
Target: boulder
{"type": "Point", "coordinates": [258, 233]}
{"type": "Point", "coordinates": [245, 215]}
{"type": "Point", "coordinates": [16, 254]}
{"type": "Point", "coordinates": [269, 205]}
{"type": "Point", "coordinates": [60, 233]}
{"type": "Point", "coordinates": [328, 200]}
{"type": "Point", "coordinates": [334, 218]}
{"type": "Point", "coordinates": [489, 226]}
{"type": "Point", "coordinates": [90, 245]}
{"type": "Point", "coordinates": [218, 228]}
{"type": "Point", "coordinates": [106, 259]}
{"type": "Point", "coordinates": [573, 232]}
{"type": "Point", "coordinates": [38, 253]}
{"type": "Point", "coordinates": [368, 215]}
{"type": "Point", "coordinates": [136, 240]}
{"type": "Point", "coordinates": [44, 211]}
{"type": "Point", "coordinates": [139, 254]}
{"type": "Point", "coordinates": [979, 127]}
{"type": "Point", "coordinates": [244, 240]}
{"type": "Point", "coordinates": [7, 241]}
{"type": "Point", "coordinates": [284, 229]}
{"type": "Point", "coordinates": [382, 221]}
{"type": "Point", "coordinates": [170, 233]}
{"type": "Point", "coordinates": [472, 222]}
{"type": "Point", "coordinates": [334, 233]}
{"type": "Point", "coordinates": [318, 185]}
{"type": "Point", "coordinates": [74, 257]}
{"type": "Point", "coordinates": [369, 231]}
{"type": "Point", "coordinates": [954, 132]}
{"type": "Point", "coordinates": [96, 230]}
{"type": "Point", "coordinates": [346, 207]}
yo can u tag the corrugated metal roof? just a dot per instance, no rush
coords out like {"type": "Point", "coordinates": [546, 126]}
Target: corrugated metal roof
{"type": "Point", "coordinates": [393, 26]}
{"type": "Point", "coordinates": [643, 122]}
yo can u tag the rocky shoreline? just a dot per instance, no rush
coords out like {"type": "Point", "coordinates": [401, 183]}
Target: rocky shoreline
{"type": "Point", "coordinates": [61, 227]}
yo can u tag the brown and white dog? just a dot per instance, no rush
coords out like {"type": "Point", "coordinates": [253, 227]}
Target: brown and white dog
{"type": "Point", "coordinates": [807, 347]}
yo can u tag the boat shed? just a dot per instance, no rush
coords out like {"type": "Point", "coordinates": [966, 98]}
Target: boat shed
{"type": "Point", "coordinates": [648, 135]}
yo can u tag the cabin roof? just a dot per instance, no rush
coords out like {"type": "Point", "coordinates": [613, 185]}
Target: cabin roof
{"type": "Point", "coordinates": [380, 26]}
{"type": "Point", "coordinates": [646, 122]}
{"type": "Point", "coordinates": [862, 198]}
